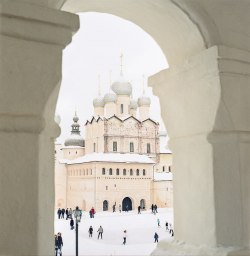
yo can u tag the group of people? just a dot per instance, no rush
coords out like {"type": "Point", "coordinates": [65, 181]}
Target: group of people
{"type": "Point", "coordinates": [92, 213]}
{"type": "Point", "coordinates": [61, 212]}
{"type": "Point", "coordinates": [169, 228]}
{"type": "Point", "coordinates": [99, 231]}
{"type": "Point", "coordinates": [154, 208]}
{"type": "Point", "coordinates": [58, 244]}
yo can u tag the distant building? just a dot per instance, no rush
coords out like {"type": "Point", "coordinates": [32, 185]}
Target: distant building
{"type": "Point", "coordinates": [120, 162]}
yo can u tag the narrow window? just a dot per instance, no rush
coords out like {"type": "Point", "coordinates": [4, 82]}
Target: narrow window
{"type": "Point", "coordinates": [90, 171]}
{"type": "Point", "coordinates": [137, 172]}
{"type": "Point", "coordinates": [131, 172]}
{"type": "Point", "coordinates": [110, 171]}
{"type": "Point", "coordinates": [121, 108]}
{"type": "Point", "coordinates": [163, 168]}
{"type": "Point", "coordinates": [94, 147]}
{"type": "Point", "coordinates": [114, 146]}
{"type": "Point", "coordinates": [117, 172]}
{"type": "Point", "coordinates": [131, 147]}
{"type": "Point", "coordinates": [106, 187]}
{"type": "Point", "coordinates": [169, 168]}
{"type": "Point", "coordinates": [124, 172]}
{"type": "Point", "coordinates": [103, 171]}
{"type": "Point", "coordinates": [76, 152]}
{"type": "Point", "coordinates": [143, 172]}
{"type": "Point", "coordinates": [148, 148]}
{"type": "Point", "coordinates": [87, 172]}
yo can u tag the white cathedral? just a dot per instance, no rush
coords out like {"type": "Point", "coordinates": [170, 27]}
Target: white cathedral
{"type": "Point", "coordinates": [121, 161]}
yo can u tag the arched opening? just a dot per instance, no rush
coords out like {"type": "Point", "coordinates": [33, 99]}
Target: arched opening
{"type": "Point", "coordinates": [105, 205]}
{"type": "Point", "coordinates": [143, 204]}
{"type": "Point", "coordinates": [127, 204]}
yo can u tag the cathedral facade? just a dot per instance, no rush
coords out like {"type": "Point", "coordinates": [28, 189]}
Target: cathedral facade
{"type": "Point", "coordinates": [121, 160]}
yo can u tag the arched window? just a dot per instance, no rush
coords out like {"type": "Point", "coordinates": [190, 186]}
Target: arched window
{"type": "Point", "coordinates": [124, 171]}
{"type": "Point", "coordinates": [110, 171]}
{"type": "Point", "coordinates": [131, 147]}
{"type": "Point", "coordinates": [131, 172]}
{"type": "Point", "coordinates": [143, 172]}
{"type": "Point", "coordinates": [148, 148]}
{"type": "Point", "coordinates": [114, 146]}
{"type": "Point", "coordinates": [103, 171]}
{"type": "Point", "coordinates": [137, 172]}
{"type": "Point", "coordinates": [117, 172]}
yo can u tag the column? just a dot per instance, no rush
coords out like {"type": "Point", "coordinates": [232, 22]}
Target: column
{"type": "Point", "coordinates": [205, 105]}
{"type": "Point", "coordinates": [32, 38]}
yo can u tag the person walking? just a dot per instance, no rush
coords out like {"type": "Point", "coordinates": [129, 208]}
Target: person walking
{"type": "Point", "coordinates": [71, 224]}
{"type": "Point", "coordinates": [59, 213]}
{"type": "Point", "coordinates": [62, 213]}
{"type": "Point", "coordinates": [139, 209]}
{"type": "Point", "coordinates": [113, 208]}
{"type": "Point", "coordinates": [120, 208]}
{"type": "Point", "coordinates": [152, 208]}
{"type": "Point", "coordinates": [100, 231]}
{"type": "Point", "coordinates": [67, 213]}
{"type": "Point", "coordinates": [56, 245]}
{"type": "Point", "coordinates": [93, 212]}
{"type": "Point", "coordinates": [166, 226]}
{"type": "Point", "coordinates": [90, 231]}
{"type": "Point", "coordinates": [155, 208]}
{"type": "Point", "coordinates": [158, 222]}
{"type": "Point", "coordinates": [124, 237]}
{"type": "Point", "coordinates": [60, 243]}
{"type": "Point", "coordinates": [156, 236]}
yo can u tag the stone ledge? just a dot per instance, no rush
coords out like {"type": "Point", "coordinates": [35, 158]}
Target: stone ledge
{"type": "Point", "coordinates": [36, 23]}
{"type": "Point", "coordinates": [177, 248]}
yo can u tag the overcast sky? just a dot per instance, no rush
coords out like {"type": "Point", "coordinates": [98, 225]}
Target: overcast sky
{"type": "Point", "coordinates": [95, 50]}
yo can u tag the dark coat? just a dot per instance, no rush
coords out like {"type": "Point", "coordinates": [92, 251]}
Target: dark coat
{"type": "Point", "coordinates": [156, 236]}
{"type": "Point", "coordinates": [90, 230]}
{"type": "Point", "coordinates": [71, 222]}
{"type": "Point", "coordinates": [60, 241]}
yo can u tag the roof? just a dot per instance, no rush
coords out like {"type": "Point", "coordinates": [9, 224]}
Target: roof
{"type": "Point", "coordinates": [110, 157]}
{"type": "Point", "coordinates": [158, 176]}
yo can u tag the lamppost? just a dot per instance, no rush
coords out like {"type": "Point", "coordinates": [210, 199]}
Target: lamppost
{"type": "Point", "coordinates": [77, 215]}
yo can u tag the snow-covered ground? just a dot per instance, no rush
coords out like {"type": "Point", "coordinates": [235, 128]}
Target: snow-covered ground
{"type": "Point", "coordinates": [140, 233]}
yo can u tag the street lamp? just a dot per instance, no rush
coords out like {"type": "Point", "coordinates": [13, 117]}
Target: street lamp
{"type": "Point", "coordinates": [77, 215]}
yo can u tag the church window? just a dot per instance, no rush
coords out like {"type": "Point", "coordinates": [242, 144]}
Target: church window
{"type": "Point", "coordinates": [163, 168]}
{"type": "Point", "coordinates": [117, 172]}
{"type": "Point", "coordinates": [114, 146]}
{"type": "Point", "coordinates": [103, 171]}
{"type": "Point", "coordinates": [131, 147]}
{"type": "Point", "coordinates": [107, 187]}
{"type": "Point", "coordinates": [169, 168]}
{"type": "Point", "coordinates": [124, 171]}
{"type": "Point", "coordinates": [94, 147]}
{"type": "Point", "coordinates": [110, 171]}
{"type": "Point", "coordinates": [144, 172]}
{"type": "Point", "coordinates": [148, 148]}
{"type": "Point", "coordinates": [121, 108]}
{"type": "Point", "coordinates": [137, 172]}
{"type": "Point", "coordinates": [131, 172]}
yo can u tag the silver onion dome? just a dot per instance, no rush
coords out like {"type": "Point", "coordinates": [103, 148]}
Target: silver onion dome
{"type": "Point", "coordinates": [98, 102]}
{"type": "Point", "coordinates": [144, 101]}
{"type": "Point", "coordinates": [110, 97]}
{"type": "Point", "coordinates": [75, 138]}
{"type": "Point", "coordinates": [122, 87]}
{"type": "Point", "coordinates": [133, 104]}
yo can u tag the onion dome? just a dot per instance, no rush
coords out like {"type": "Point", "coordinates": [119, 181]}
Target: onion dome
{"type": "Point", "coordinates": [75, 139]}
{"type": "Point", "coordinates": [110, 97]}
{"type": "Point", "coordinates": [98, 102]}
{"type": "Point", "coordinates": [133, 104]}
{"type": "Point", "coordinates": [122, 87]}
{"type": "Point", "coordinates": [144, 101]}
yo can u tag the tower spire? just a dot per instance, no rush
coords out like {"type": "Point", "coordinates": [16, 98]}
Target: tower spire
{"type": "Point", "coordinates": [99, 85]}
{"type": "Point", "coordinates": [143, 84]}
{"type": "Point", "coordinates": [121, 64]}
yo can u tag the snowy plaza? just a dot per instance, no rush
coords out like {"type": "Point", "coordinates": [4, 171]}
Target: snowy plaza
{"type": "Point", "coordinates": [140, 233]}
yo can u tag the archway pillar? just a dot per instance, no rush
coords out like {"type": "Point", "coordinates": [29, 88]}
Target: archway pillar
{"type": "Point", "coordinates": [32, 38]}
{"type": "Point", "coordinates": [206, 108]}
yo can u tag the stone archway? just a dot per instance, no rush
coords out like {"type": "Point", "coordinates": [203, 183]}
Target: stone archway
{"type": "Point", "coordinates": [204, 97]}
{"type": "Point", "coordinates": [127, 204]}
{"type": "Point", "coordinates": [105, 205]}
